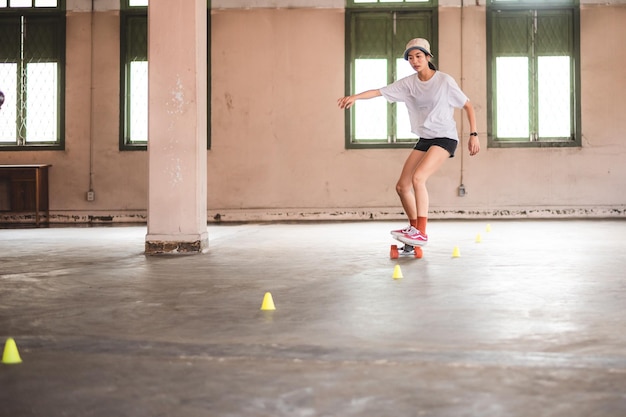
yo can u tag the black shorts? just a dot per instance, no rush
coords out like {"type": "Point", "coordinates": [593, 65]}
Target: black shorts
{"type": "Point", "coordinates": [445, 143]}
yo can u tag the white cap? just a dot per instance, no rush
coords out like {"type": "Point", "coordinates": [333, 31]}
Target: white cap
{"type": "Point", "coordinates": [417, 43]}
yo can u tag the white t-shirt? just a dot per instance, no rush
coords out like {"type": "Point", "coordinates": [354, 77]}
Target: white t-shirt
{"type": "Point", "coordinates": [430, 103]}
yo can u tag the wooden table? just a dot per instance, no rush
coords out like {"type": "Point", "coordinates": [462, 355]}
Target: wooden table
{"type": "Point", "coordinates": [26, 189]}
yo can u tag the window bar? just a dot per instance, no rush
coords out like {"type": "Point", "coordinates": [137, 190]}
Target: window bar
{"type": "Point", "coordinates": [534, 137]}
{"type": "Point", "coordinates": [21, 67]}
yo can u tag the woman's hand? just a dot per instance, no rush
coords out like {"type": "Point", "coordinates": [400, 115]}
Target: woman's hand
{"type": "Point", "coordinates": [473, 145]}
{"type": "Point", "coordinates": [346, 102]}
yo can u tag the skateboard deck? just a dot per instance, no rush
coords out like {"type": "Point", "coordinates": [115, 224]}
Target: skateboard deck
{"type": "Point", "coordinates": [406, 250]}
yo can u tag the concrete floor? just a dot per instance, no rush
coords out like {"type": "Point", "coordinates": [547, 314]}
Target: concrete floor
{"type": "Point", "coordinates": [529, 322]}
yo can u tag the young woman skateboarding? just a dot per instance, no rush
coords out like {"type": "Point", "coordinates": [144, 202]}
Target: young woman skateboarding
{"type": "Point", "coordinates": [430, 97]}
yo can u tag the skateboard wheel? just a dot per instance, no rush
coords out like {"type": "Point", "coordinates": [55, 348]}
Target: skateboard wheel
{"type": "Point", "coordinates": [418, 252]}
{"type": "Point", "coordinates": [393, 253]}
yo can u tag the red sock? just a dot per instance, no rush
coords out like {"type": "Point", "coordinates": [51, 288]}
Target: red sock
{"type": "Point", "coordinates": [413, 222]}
{"type": "Point", "coordinates": [421, 224]}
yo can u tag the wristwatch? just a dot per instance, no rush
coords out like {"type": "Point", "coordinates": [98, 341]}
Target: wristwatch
{"type": "Point", "coordinates": [474, 134]}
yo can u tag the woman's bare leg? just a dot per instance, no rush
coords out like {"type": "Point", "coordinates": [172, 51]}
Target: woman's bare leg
{"type": "Point", "coordinates": [411, 187]}
{"type": "Point", "coordinates": [404, 186]}
{"type": "Point", "coordinates": [426, 166]}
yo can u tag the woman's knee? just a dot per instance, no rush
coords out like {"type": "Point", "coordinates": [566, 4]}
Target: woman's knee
{"type": "Point", "coordinates": [402, 187]}
{"type": "Point", "coordinates": [418, 179]}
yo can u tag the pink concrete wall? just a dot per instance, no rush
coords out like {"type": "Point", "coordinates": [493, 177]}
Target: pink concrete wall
{"type": "Point", "coordinates": [291, 152]}
{"type": "Point", "coordinates": [278, 138]}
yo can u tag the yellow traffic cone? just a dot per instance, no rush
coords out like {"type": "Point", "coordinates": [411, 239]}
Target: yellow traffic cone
{"type": "Point", "coordinates": [456, 252]}
{"type": "Point", "coordinates": [478, 238]}
{"type": "Point", "coordinates": [268, 302]}
{"type": "Point", "coordinates": [11, 355]}
{"type": "Point", "coordinates": [488, 228]}
{"type": "Point", "coordinates": [397, 272]}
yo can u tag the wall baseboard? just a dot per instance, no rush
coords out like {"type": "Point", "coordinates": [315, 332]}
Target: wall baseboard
{"type": "Point", "coordinates": [336, 214]}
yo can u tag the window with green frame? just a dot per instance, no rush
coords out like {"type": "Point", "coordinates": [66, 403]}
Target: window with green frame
{"type": "Point", "coordinates": [32, 65]}
{"type": "Point", "coordinates": [134, 75]}
{"type": "Point", "coordinates": [533, 71]}
{"type": "Point", "coordinates": [376, 35]}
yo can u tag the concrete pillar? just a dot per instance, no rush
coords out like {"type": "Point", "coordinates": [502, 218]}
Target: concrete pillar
{"type": "Point", "coordinates": [177, 127]}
